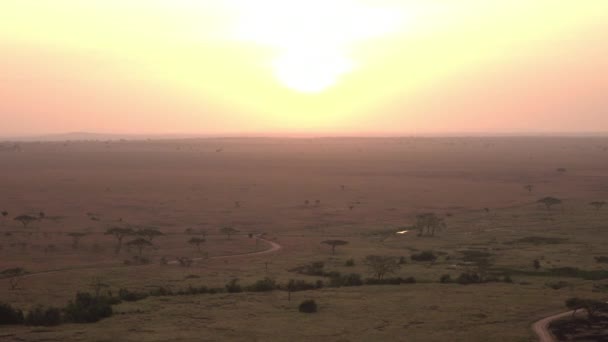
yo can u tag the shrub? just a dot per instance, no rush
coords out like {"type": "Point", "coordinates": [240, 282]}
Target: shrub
{"type": "Point", "coordinates": [302, 285]}
{"type": "Point", "coordinates": [446, 278]}
{"type": "Point", "coordinates": [131, 296]}
{"type": "Point", "coordinates": [557, 285]}
{"type": "Point", "coordinates": [507, 279]}
{"type": "Point", "coordinates": [308, 306]}
{"type": "Point", "coordinates": [41, 316]}
{"type": "Point", "coordinates": [10, 315]}
{"type": "Point", "coordinates": [352, 279]}
{"type": "Point", "coordinates": [469, 278]}
{"type": "Point", "coordinates": [87, 309]}
{"type": "Point", "coordinates": [233, 286]}
{"type": "Point", "coordinates": [424, 256]}
{"type": "Point", "coordinates": [390, 281]}
{"type": "Point", "coordinates": [601, 259]}
{"type": "Point", "coordinates": [349, 263]}
{"type": "Point", "coordinates": [315, 269]}
{"type": "Point", "coordinates": [263, 285]}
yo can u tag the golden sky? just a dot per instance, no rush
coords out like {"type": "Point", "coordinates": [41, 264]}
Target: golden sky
{"type": "Point", "coordinates": [303, 67]}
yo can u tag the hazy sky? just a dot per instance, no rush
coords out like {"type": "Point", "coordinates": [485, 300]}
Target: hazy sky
{"type": "Point", "coordinates": [312, 67]}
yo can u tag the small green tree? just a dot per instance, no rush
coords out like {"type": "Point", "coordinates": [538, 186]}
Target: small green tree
{"type": "Point", "coordinates": [334, 243]}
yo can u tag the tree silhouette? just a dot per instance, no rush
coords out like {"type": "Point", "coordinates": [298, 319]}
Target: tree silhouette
{"type": "Point", "coordinates": [149, 233]}
{"type": "Point", "coordinates": [334, 243]}
{"type": "Point", "coordinates": [549, 201]}
{"type": "Point", "coordinates": [228, 231]}
{"type": "Point", "coordinates": [380, 265]}
{"type": "Point", "coordinates": [76, 238]}
{"type": "Point", "coordinates": [119, 233]}
{"type": "Point", "coordinates": [429, 223]}
{"type": "Point", "coordinates": [529, 187]}
{"type": "Point", "coordinates": [598, 204]}
{"type": "Point", "coordinates": [25, 219]}
{"type": "Point", "coordinates": [14, 274]}
{"type": "Point", "coordinates": [196, 241]}
{"type": "Point", "coordinates": [140, 244]}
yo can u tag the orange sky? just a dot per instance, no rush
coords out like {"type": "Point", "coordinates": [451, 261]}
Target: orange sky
{"type": "Point", "coordinates": [303, 67]}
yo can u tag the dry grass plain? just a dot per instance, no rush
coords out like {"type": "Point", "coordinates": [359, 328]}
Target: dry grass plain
{"type": "Point", "coordinates": [179, 184]}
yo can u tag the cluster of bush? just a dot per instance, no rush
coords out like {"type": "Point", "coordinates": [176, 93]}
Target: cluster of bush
{"type": "Point", "coordinates": [466, 278]}
{"type": "Point", "coordinates": [424, 256]}
{"type": "Point", "coordinates": [85, 308]}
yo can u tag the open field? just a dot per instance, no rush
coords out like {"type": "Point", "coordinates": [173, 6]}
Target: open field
{"type": "Point", "coordinates": [298, 193]}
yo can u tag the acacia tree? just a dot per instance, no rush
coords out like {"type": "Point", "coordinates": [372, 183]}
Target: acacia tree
{"type": "Point", "coordinates": [149, 233]}
{"type": "Point", "coordinates": [26, 219]}
{"type": "Point", "coordinates": [140, 244]}
{"type": "Point", "coordinates": [76, 236]}
{"type": "Point", "coordinates": [15, 275]}
{"type": "Point", "coordinates": [334, 243]}
{"type": "Point", "coordinates": [228, 231]}
{"type": "Point", "coordinates": [591, 306]}
{"type": "Point", "coordinates": [529, 187]}
{"type": "Point", "coordinates": [4, 214]}
{"type": "Point", "coordinates": [598, 204]}
{"type": "Point", "coordinates": [119, 233]}
{"type": "Point", "coordinates": [380, 265]}
{"type": "Point", "coordinates": [549, 201]}
{"type": "Point", "coordinates": [196, 241]}
{"type": "Point", "coordinates": [429, 223]}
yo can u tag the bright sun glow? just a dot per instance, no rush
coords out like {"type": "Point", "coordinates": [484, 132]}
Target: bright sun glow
{"type": "Point", "coordinates": [312, 39]}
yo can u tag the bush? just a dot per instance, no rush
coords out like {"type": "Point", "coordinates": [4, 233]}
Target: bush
{"type": "Point", "coordinates": [424, 256]}
{"type": "Point", "coordinates": [302, 285]}
{"type": "Point", "coordinates": [233, 286]}
{"type": "Point", "coordinates": [314, 269]}
{"type": "Point", "coordinates": [469, 278]}
{"type": "Point", "coordinates": [263, 285]}
{"type": "Point", "coordinates": [349, 263]}
{"type": "Point", "coordinates": [557, 285]}
{"type": "Point", "coordinates": [10, 315]}
{"type": "Point", "coordinates": [41, 316]}
{"type": "Point", "coordinates": [352, 279]}
{"type": "Point", "coordinates": [308, 306]}
{"type": "Point", "coordinates": [87, 309]}
{"type": "Point", "coordinates": [390, 281]}
{"type": "Point", "coordinates": [445, 279]}
{"type": "Point", "coordinates": [131, 296]}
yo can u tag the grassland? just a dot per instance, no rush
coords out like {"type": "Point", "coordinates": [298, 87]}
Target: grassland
{"type": "Point", "coordinates": [367, 190]}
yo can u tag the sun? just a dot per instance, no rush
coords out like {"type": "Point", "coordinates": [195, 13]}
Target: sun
{"type": "Point", "coordinates": [312, 39]}
{"type": "Point", "coordinates": [311, 71]}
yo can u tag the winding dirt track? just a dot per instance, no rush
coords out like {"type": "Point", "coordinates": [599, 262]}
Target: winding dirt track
{"type": "Point", "coordinates": [273, 248]}
{"type": "Point", "coordinates": [541, 328]}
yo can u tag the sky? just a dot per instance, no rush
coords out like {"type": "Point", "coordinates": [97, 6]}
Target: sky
{"type": "Point", "coordinates": [281, 67]}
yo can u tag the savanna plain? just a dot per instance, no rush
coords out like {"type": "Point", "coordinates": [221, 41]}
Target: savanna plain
{"type": "Point", "coordinates": [394, 239]}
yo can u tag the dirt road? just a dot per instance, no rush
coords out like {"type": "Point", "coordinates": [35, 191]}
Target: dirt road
{"type": "Point", "coordinates": [541, 328]}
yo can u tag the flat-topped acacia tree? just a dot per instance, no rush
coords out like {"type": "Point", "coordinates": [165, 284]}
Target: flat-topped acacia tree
{"type": "Point", "coordinates": [196, 241]}
{"type": "Point", "coordinates": [140, 244]}
{"type": "Point", "coordinates": [25, 219]}
{"type": "Point", "coordinates": [549, 201]}
{"type": "Point", "coordinates": [334, 244]}
{"type": "Point", "coordinates": [598, 204]}
{"type": "Point", "coordinates": [429, 223]}
{"type": "Point", "coordinates": [228, 231]}
{"type": "Point", "coordinates": [14, 274]}
{"type": "Point", "coordinates": [149, 233]}
{"type": "Point", "coordinates": [76, 236]}
{"type": "Point", "coordinates": [119, 233]}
